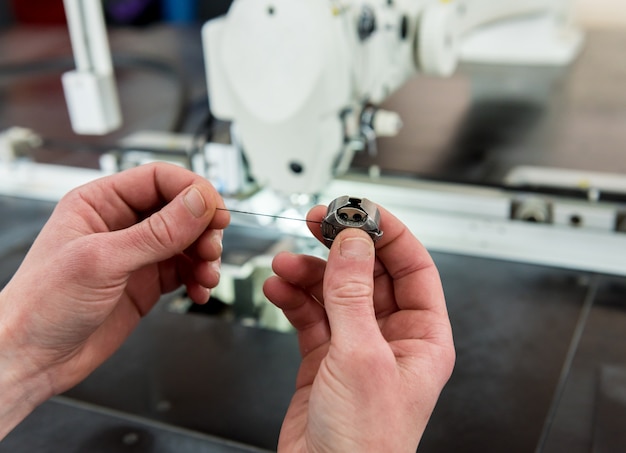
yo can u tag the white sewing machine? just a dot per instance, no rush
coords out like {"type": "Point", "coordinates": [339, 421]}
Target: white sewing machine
{"type": "Point", "coordinates": [302, 80]}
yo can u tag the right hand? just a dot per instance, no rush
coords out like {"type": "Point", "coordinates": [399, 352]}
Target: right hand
{"type": "Point", "coordinates": [375, 340]}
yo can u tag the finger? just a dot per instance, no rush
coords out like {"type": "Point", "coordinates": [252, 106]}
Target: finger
{"type": "Point", "coordinates": [302, 270]}
{"type": "Point", "coordinates": [302, 310]}
{"type": "Point", "coordinates": [208, 246]}
{"type": "Point", "coordinates": [314, 219]}
{"type": "Point", "coordinates": [198, 277]}
{"type": "Point", "coordinates": [144, 290]}
{"type": "Point", "coordinates": [384, 302]}
{"type": "Point", "coordinates": [206, 273]}
{"type": "Point", "coordinates": [412, 272]}
{"type": "Point", "coordinates": [300, 307]}
{"type": "Point", "coordinates": [166, 232]}
{"type": "Point", "coordinates": [170, 274]}
{"type": "Point", "coordinates": [122, 199]}
{"type": "Point", "coordinates": [297, 290]}
{"type": "Point", "coordinates": [198, 293]}
{"type": "Point", "coordinates": [416, 281]}
{"type": "Point", "coordinates": [188, 273]}
{"type": "Point", "coordinates": [349, 289]}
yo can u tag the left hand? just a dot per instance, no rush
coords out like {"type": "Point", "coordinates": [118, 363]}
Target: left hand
{"type": "Point", "coordinates": [109, 251]}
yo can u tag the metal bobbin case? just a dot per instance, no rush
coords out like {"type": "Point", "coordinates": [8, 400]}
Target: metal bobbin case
{"type": "Point", "coordinates": [351, 212]}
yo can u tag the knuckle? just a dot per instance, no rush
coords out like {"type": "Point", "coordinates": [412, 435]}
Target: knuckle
{"type": "Point", "coordinates": [352, 291]}
{"type": "Point", "coordinates": [159, 232]}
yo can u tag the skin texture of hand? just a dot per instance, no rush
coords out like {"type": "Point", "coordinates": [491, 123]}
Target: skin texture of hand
{"type": "Point", "coordinates": [108, 252]}
{"type": "Point", "coordinates": [375, 340]}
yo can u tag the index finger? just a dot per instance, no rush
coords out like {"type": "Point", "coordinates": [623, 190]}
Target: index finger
{"type": "Point", "coordinates": [122, 199]}
{"type": "Point", "coordinates": [415, 278]}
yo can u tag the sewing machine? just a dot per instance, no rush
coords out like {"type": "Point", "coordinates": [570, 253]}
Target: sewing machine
{"type": "Point", "coordinates": [303, 82]}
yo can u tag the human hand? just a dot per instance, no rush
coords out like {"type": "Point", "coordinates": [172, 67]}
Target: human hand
{"type": "Point", "coordinates": [108, 252]}
{"type": "Point", "coordinates": [375, 340]}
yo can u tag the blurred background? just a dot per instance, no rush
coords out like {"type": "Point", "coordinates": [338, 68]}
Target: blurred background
{"type": "Point", "coordinates": [122, 12]}
{"type": "Point", "coordinates": [590, 13]}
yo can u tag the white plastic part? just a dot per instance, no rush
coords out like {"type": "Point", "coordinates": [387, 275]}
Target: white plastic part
{"type": "Point", "coordinates": [383, 60]}
{"type": "Point", "coordinates": [290, 67]}
{"type": "Point", "coordinates": [438, 46]}
{"type": "Point", "coordinates": [386, 123]}
{"type": "Point", "coordinates": [497, 32]}
{"type": "Point", "coordinates": [281, 71]}
{"type": "Point", "coordinates": [521, 176]}
{"type": "Point", "coordinates": [220, 98]}
{"type": "Point", "coordinates": [90, 90]}
{"type": "Point", "coordinates": [475, 221]}
{"type": "Point", "coordinates": [26, 179]}
{"type": "Point", "coordinates": [225, 168]}
{"type": "Point", "coordinates": [91, 102]}
{"type": "Point", "coordinates": [545, 42]}
{"type": "Point", "coordinates": [15, 138]}
{"type": "Point", "coordinates": [473, 14]}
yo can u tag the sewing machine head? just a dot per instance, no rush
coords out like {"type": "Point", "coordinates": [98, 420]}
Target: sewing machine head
{"type": "Point", "coordinates": [301, 81]}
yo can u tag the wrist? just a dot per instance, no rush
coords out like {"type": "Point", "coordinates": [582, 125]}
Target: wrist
{"type": "Point", "coordinates": [22, 386]}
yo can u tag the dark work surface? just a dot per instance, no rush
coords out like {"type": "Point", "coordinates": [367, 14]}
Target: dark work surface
{"type": "Point", "coordinates": [203, 374]}
{"type": "Point", "coordinates": [580, 424]}
{"type": "Point", "coordinates": [67, 426]}
{"type": "Point", "coordinates": [610, 410]}
{"type": "Point", "coordinates": [512, 325]}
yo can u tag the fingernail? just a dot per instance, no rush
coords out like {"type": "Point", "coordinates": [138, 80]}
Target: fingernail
{"type": "Point", "coordinates": [195, 202]}
{"type": "Point", "coordinates": [357, 248]}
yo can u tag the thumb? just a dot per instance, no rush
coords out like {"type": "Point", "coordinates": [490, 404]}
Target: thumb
{"type": "Point", "coordinates": [349, 288]}
{"type": "Point", "coordinates": [169, 231]}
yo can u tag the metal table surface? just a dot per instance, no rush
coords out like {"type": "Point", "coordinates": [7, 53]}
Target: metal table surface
{"type": "Point", "coordinates": [539, 350]}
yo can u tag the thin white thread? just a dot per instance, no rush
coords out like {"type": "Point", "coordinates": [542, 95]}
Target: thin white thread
{"type": "Point", "coordinates": [268, 215]}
